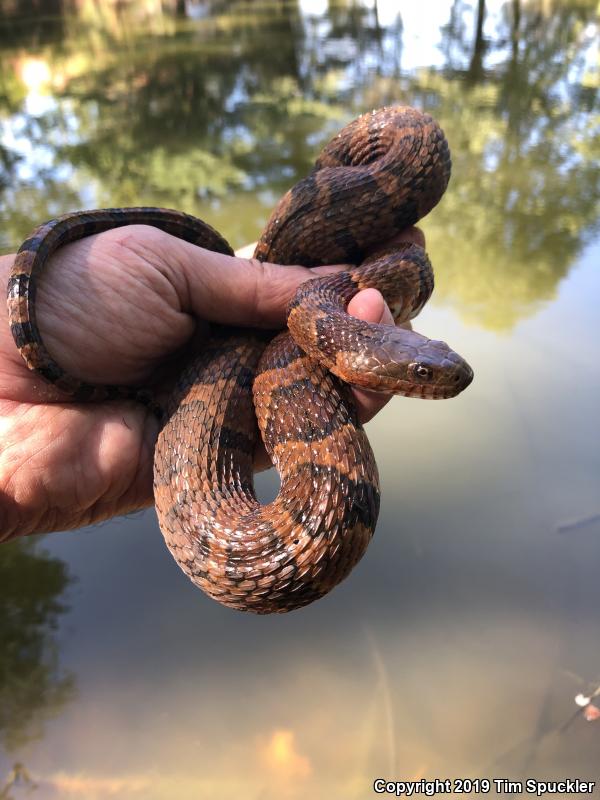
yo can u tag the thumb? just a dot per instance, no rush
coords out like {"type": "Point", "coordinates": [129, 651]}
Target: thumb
{"type": "Point", "coordinates": [236, 291]}
{"type": "Point", "coordinates": [240, 290]}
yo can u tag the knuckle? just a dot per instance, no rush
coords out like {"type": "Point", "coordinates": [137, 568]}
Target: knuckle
{"type": "Point", "coordinates": [141, 241]}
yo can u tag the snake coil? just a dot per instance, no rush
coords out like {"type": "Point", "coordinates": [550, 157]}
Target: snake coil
{"type": "Point", "coordinates": [381, 173]}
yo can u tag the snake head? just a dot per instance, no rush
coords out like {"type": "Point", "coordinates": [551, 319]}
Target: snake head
{"type": "Point", "coordinates": [436, 372]}
{"type": "Point", "coordinates": [399, 361]}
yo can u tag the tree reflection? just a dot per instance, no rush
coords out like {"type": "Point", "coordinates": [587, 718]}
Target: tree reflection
{"type": "Point", "coordinates": [32, 685]}
{"type": "Point", "coordinates": [219, 114]}
{"type": "Point", "coordinates": [526, 185]}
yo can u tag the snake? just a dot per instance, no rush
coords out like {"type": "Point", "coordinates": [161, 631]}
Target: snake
{"type": "Point", "coordinates": [382, 173]}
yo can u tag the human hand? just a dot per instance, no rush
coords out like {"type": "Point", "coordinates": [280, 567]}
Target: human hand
{"type": "Point", "coordinates": [112, 308]}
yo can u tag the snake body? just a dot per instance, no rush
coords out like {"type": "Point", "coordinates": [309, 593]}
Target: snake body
{"type": "Point", "coordinates": [382, 173]}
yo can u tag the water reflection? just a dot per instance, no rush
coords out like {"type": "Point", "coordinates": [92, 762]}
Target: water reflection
{"type": "Point", "coordinates": [219, 121]}
{"type": "Point", "coordinates": [526, 167]}
{"type": "Point", "coordinates": [33, 687]}
{"type": "Point", "coordinates": [451, 650]}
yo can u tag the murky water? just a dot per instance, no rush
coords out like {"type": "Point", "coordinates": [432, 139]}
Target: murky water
{"type": "Point", "coordinates": [458, 644]}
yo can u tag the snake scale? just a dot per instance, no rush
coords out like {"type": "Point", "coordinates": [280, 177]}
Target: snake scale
{"type": "Point", "coordinates": [381, 173]}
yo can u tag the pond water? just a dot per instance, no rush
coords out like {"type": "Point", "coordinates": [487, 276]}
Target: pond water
{"type": "Point", "coordinates": [456, 647]}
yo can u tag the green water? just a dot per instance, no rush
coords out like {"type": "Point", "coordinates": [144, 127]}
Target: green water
{"type": "Point", "coordinates": [458, 644]}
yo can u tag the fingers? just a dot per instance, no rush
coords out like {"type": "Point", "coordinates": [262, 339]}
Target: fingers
{"type": "Point", "coordinates": [232, 290]}
{"type": "Point", "coordinates": [243, 291]}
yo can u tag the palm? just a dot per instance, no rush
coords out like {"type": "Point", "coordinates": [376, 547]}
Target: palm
{"type": "Point", "coordinates": [72, 464]}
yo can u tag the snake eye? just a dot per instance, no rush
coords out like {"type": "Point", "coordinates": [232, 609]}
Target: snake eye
{"type": "Point", "coordinates": [421, 371]}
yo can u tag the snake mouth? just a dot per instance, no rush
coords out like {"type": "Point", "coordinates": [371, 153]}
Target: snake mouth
{"type": "Point", "coordinates": [425, 377]}
{"type": "Point", "coordinates": [455, 379]}
{"type": "Point", "coordinates": [461, 378]}
{"type": "Point", "coordinates": [440, 389]}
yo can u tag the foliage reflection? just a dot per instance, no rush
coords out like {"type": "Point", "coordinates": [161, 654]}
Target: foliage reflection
{"type": "Point", "coordinates": [217, 112]}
